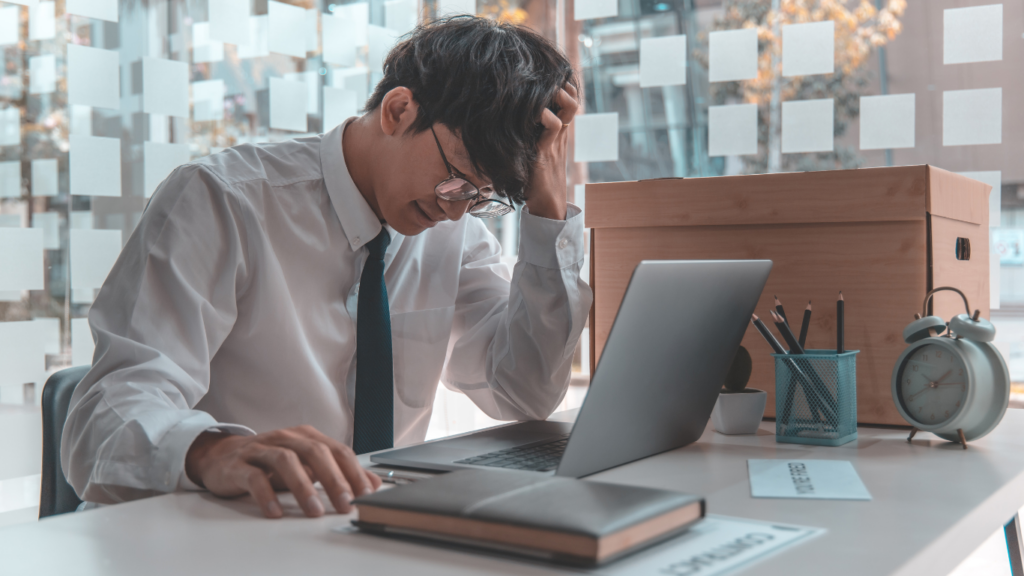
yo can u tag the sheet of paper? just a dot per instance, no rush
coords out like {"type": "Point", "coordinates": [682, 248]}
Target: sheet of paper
{"type": "Point", "coordinates": [21, 259]}
{"type": "Point", "coordinates": [340, 41]}
{"type": "Point", "coordinates": [208, 100]}
{"type": "Point", "coordinates": [732, 130]}
{"type": "Point", "coordinates": [455, 7]}
{"type": "Point", "coordinates": [160, 160]}
{"type": "Point", "coordinates": [662, 61]}
{"type": "Point", "coordinates": [312, 30]}
{"type": "Point", "coordinates": [21, 354]}
{"type": "Point", "coordinates": [887, 121]}
{"type": "Point", "coordinates": [81, 220]}
{"type": "Point", "coordinates": [93, 77]}
{"type": "Point", "coordinates": [355, 79]}
{"type": "Point", "coordinates": [287, 105]}
{"type": "Point", "coordinates": [972, 117]}
{"type": "Point", "coordinates": [972, 34]}
{"type": "Point", "coordinates": [49, 333]}
{"type": "Point", "coordinates": [339, 105]}
{"type": "Point", "coordinates": [287, 29]}
{"type": "Point", "coordinates": [10, 220]}
{"type": "Point", "coordinates": [312, 80]}
{"type": "Point", "coordinates": [807, 126]}
{"type": "Point", "coordinates": [204, 49]}
{"type": "Point", "coordinates": [808, 48]}
{"type": "Point", "coordinates": [82, 346]}
{"type": "Point", "coordinates": [229, 21]}
{"type": "Point", "coordinates": [92, 253]}
{"type": "Point", "coordinates": [381, 41]}
{"type": "Point", "coordinates": [10, 126]}
{"type": "Point", "coordinates": [732, 55]}
{"type": "Point", "coordinates": [400, 16]}
{"type": "Point", "coordinates": [99, 9]}
{"type": "Point", "coordinates": [359, 14]}
{"type": "Point", "coordinates": [993, 178]}
{"type": "Point", "coordinates": [95, 166]}
{"type": "Point", "coordinates": [10, 179]}
{"type": "Point", "coordinates": [259, 39]}
{"type": "Point", "coordinates": [597, 137]}
{"type": "Point", "coordinates": [42, 73]}
{"type": "Point", "coordinates": [42, 25]}
{"type": "Point", "coordinates": [44, 177]}
{"type": "Point", "coordinates": [10, 25]}
{"type": "Point", "coordinates": [814, 479]}
{"type": "Point", "coordinates": [165, 87]}
{"type": "Point", "coordinates": [588, 9]}
{"type": "Point", "coordinates": [49, 223]}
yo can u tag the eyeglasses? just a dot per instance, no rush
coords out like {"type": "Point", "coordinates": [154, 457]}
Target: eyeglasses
{"type": "Point", "coordinates": [457, 188]}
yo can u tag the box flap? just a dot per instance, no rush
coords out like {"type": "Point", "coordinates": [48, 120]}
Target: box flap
{"type": "Point", "coordinates": [957, 197]}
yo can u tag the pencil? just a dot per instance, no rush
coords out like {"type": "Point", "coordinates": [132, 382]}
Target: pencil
{"type": "Point", "coordinates": [768, 336]}
{"type": "Point", "coordinates": [805, 325]}
{"type": "Point", "coordinates": [787, 334]}
{"type": "Point", "coordinates": [781, 310]}
{"type": "Point", "coordinates": [814, 390]}
{"type": "Point", "coordinates": [840, 324]}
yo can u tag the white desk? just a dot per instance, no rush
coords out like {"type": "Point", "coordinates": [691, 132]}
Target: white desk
{"type": "Point", "coordinates": [933, 505]}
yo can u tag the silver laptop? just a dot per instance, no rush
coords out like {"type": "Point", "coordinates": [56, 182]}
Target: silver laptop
{"type": "Point", "coordinates": [673, 340]}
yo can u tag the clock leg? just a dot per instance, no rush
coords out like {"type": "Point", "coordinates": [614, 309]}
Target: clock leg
{"type": "Point", "coordinates": [913, 431]}
{"type": "Point", "coordinates": [963, 441]}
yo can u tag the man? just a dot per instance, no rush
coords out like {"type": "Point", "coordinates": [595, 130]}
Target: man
{"type": "Point", "coordinates": [283, 307]}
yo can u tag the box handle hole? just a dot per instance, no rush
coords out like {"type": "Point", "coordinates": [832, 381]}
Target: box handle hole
{"type": "Point", "coordinates": [963, 249]}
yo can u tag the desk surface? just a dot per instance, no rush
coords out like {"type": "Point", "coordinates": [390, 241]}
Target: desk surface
{"type": "Point", "coordinates": [933, 505]}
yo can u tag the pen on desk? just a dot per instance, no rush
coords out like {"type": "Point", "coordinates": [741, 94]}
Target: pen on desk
{"type": "Point", "coordinates": [768, 336]}
{"type": "Point", "coordinates": [781, 310]}
{"type": "Point", "coordinates": [840, 324]}
{"type": "Point", "coordinates": [805, 325]}
{"type": "Point", "coordinates": [787, 334]}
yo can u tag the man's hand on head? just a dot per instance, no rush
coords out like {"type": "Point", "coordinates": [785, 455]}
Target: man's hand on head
{"type": "Point", "coordinates": [545, 196]}
{"type": "Point", "coordinates": [291, 459]}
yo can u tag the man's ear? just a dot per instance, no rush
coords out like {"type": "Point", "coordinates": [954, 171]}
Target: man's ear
{"type": "Point", "coordinates": [398, 111]}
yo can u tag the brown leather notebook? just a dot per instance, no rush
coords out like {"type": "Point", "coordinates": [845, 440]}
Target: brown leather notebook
{"type": "Point", "coordinates": [564, 520]}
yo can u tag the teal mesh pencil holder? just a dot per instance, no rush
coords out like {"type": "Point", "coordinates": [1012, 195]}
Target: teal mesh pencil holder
{"type": "Point", "coordinates": [816, 397]}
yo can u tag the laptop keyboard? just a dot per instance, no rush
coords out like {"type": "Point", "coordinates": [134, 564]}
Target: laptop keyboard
{"type": "Point", "coordinates": [537, 457]}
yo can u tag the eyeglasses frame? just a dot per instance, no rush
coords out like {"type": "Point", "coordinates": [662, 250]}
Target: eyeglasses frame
{"type": "Point", "coordinates": [454, 173]}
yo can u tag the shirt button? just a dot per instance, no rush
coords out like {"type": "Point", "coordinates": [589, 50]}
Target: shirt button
{"type": "Point", "coordinates": [563, 242]}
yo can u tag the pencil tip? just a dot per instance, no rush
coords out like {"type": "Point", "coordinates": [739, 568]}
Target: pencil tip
{"type": "Point", "coordinates": [753, 317]}
{"type": "Point", "coordinates": [840, 294]}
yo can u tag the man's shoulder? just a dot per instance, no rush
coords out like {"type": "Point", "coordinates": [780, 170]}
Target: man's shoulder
{"type": "Point", "coordinates": [270, 163]}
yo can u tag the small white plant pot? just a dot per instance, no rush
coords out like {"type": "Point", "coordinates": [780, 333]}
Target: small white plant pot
{"type": "Point", "coordinates": [739, 412]}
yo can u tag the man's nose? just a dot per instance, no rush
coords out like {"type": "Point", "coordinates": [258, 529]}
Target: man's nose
{"type": "Point", "coordinates": [455, 210]}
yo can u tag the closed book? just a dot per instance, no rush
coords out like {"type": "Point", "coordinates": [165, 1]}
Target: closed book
{"type": "Point", "coordinates": [565, 520]}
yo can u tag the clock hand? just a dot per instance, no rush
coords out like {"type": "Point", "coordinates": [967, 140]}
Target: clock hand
{"type": "Point", "coordinates": [943, 377]}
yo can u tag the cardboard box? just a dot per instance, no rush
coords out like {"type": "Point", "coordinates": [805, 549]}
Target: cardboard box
{"type": "Point", "coordinates": [883, 236]}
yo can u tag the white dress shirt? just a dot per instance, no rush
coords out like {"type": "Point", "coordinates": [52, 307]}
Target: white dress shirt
{"type": "Point", "coordinates": [233, 307]}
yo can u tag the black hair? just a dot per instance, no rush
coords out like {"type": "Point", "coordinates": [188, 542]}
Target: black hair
{"type": "Point", "coordinates": [486, 81]}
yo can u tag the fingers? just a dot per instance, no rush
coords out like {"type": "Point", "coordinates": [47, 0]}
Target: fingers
{"type": "Point", "coordinates": [320, 459]}
{"type": "Point", "coordinates": [347, 461]}
{"type": "Point", "coordinates": [552, 127]}
{"type": "Point", "coordinates": [286, 464]}
{"type": "Point", "coordinates": [256, 482]}
{"type": "Point", "coordinates": [567, 103]}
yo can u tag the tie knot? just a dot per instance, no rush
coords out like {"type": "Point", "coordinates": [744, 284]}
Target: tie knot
{"type": "Point", "coordinates": [379, 245]}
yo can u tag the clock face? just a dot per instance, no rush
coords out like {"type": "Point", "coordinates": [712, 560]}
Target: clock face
{"type": "Point", "coordinates": [933, 384]}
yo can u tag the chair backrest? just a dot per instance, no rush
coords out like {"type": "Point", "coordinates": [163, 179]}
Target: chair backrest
{"type": "Point", "coordinates": [56, 495]}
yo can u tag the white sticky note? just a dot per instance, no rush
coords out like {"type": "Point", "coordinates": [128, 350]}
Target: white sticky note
{"type": "Point", "coordinates": [10, 126]}
{"type": "Point", "coordinates": [808, 48]}
{"type": "Point", "coordinates": [44, 177]}
{"type": "Point", "coordinates": [259, 39]}
{"type": "Point", "coordinates": [21, 259]}
{"type": "Point", "coordinates": [287, 105]}
{"type": "Point", "coordinates": [92, 253]}
{"type": "Point", "coordinates": [164, 87]}
{"type": "Point", "coordinates": [732, 130]}
{"type": "Point", "coordinates": [229, 21]}
{"type": "Point", "coordinates": [42, 73]}
{"type": "Point", "coordinates": [344, 33]}
{"type": "Point", "coordinates": [887, 121]}
{"type": "Point", "coordinates": [400, 16]}
{"type": "Point", "coordinates": [21, 354]}
{"type": "Point", "coordinates": [807, 126]}
{"type": "Point", "coordinates": [10, 220]}
{"type": "Point", "coordinates": [381, 42]}
{"type": "Point", "coordinates": [972, 34]}
{"type": "Point", "coordinates": [42, 24]}
{"type": "Point", "coordinates": [99, 9]}
{"type": "Point", "coordinates": [49, 223]}
{"type": "Point", "coordinates": [10, 179]}
{"type": "Point", "coordinates": [339, 105]}
{"type": "Point", "coordinates": [95, 166]}
{"type": "Point", "coordinates": [81, 219]}
{"type": "Point", "coordinates": [732, 55]}
{"type": "Point", "coordinates": [813, 479]}
{"type": "Point", "coordinates": [588, 9]}
{"type": "Point", "coordinates": [93, 77]}
{"type": "Point", "coordinates": [355, 79]}
{"type": "Point", "coordinates": [208, 100]}
{"type": "Point", "coordinates": [312, 30]}
{"type": "Point", "coordinates": [597, 137]}
{"type": "Point", "coordinates": [160, 160]}
{"type": "Point", "coordinates": [287, 29]}
{"type": "Point", "coordinates": [10, 25]}
{"type": "Point", "coordinates": [455, 7]}
{"type": "Point", "coordinates": [203, 48]}
{"type": "Point", "coordinates": [993, 178]}
{"type": "Point", "coordinates": [312, 80]}
{"type": "Point", "coordinates": [49, 332]}
{"type": "Point", "coordinates": [357, 13]}
{"type": "Point", "coordinates": [82, 345]}
{"type": "Point", "coordinates": [972, 117]}
{"type": "Point", "coordinates": [663, 61]}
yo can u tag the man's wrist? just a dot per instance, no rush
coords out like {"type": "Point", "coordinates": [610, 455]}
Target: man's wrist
{"type": "Point", "coordinates": [197, 452]}
{"type": "Point", "coordinates": [547, 208]}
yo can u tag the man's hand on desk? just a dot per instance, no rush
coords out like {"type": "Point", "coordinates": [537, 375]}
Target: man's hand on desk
{"type": "Point", "coordinates": [291, 459]}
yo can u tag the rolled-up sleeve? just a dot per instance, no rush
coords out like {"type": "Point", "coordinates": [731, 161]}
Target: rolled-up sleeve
{"type": "Point", "coordinates": [514, 337]}
{"type": "Point", "coordinates": [165, 309]}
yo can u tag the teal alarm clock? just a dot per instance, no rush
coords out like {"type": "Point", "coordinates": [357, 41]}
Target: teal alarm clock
{"type": "Point", "coordinates": [951, 381]}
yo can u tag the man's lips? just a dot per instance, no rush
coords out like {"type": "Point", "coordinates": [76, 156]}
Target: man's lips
{"type": "Point", "coordinates": [427, 220]}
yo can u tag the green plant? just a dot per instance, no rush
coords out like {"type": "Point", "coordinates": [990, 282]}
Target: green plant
{"type": "Point", "coordinates": [739, 373]}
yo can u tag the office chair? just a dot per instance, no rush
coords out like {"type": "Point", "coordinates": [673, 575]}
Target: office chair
{"type": "Point", "coordinates": [56, 495]}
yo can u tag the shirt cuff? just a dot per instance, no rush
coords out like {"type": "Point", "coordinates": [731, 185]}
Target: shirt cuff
{"type": "Point", "coordinates": [552, 243]}
{"type": "Point", "coordinates": [181, 437]}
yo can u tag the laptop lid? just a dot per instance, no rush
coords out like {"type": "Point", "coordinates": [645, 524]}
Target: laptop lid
{"type": "Point", "coordinates": [669, 349]}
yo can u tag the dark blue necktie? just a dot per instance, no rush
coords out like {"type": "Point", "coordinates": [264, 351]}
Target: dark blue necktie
{"type": "Point", "coordinates": [374, 412]}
